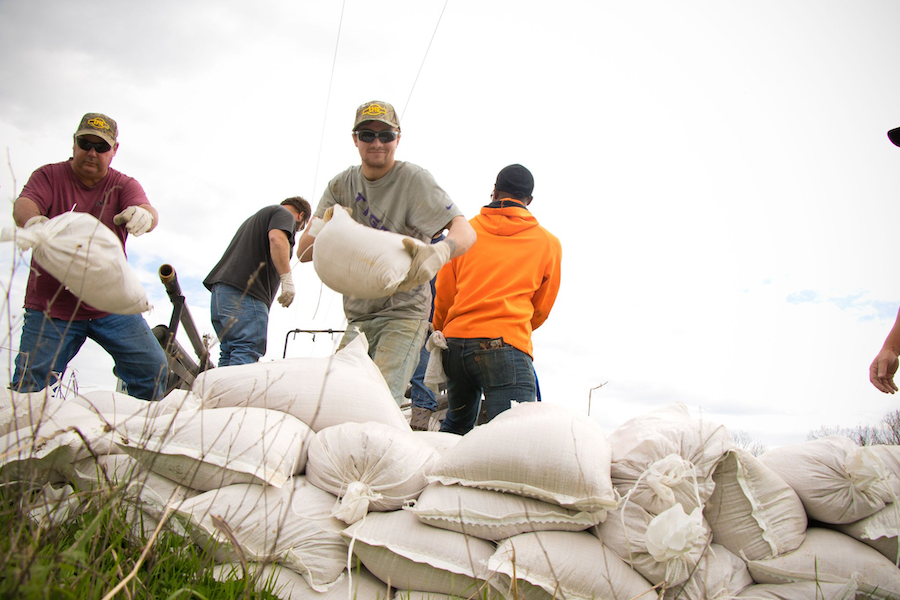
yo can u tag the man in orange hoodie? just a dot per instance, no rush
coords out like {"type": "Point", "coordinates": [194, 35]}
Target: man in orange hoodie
{"type": "Point", "coordinates": [490, 299]}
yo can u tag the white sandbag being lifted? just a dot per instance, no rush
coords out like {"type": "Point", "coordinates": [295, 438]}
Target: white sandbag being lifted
{"type": "Point", "coordinates": [86, 257]}
{"type": "Point", "coordinates": [360, 261]}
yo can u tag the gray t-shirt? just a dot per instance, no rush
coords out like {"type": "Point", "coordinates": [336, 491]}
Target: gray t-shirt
{"type": "Point", "coordinates": [249, 249]}
{"type": "Point", "coordinates": [407, 201]}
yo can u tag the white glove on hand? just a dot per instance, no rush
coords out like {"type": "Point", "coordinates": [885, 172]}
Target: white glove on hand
{"type": "Point", "coordinates": [317, 224]}
{"type": "Point", "coordinates": [35, 221]}
{"type": "Point", "coordinates": [427, 260]}
{"type": "Point", "coordinates": [287, 290]}
{"type": "Point", "coordinates": [434, 371]}
{"type": "Point", "coordinates": [137, 220]}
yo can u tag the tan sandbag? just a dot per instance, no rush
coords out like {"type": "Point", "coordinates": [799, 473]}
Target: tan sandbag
{"type": "Point", "coordinates": [664, 549]}
{"type": "Point", "coordinates": [24, 410]}
{"type": "Point", "coordinates": [666, 457]}
{"type": "Point", "coordinates": [321, 392]}
{"type": "Point", "coordinates": [410, 555]}
{"type": "Point", "coordinates": [370, 466]}
{"type": "Point", "coordinates": [880, 531]}
{"type": "Point", "coordinates": [85, 256]}
{"type": "Point", "coordinates": [563, 564]}
{"type": "Point", "coordinates": [360, 261]}
{"type": "Point", "coordinates": [837, 481]}
{"type": "Point", "coordinates": [291, 525]}
{"type": "Point", "coordinates": [752, 511]}
{"type": "Point", "coordinates": [492, 515]}
{"type": "Point", "coordinates": [800, 591]}
{"type": "Point", "coordinates": [537, 450]}
{"type": "Point", "coordinates": [286, 584]}
{"type": "Point", "coordinates": [719, 576]}
{"type": "Point", "coordinates": [832, 557]}
{"type": "Point", "coordinates": [210, 448]}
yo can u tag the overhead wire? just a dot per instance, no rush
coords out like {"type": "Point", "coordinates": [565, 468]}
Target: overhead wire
{"type": "Point", "coordinates": [424, 58]}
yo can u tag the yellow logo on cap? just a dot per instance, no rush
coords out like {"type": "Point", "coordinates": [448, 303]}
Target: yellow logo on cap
{"type": "Point", "coordinates": [98, 123]}
{"type": "Point", "coordinates": [374, 110]}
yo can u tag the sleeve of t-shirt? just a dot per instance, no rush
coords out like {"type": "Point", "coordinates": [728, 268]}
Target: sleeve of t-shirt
{"type": "Point", "coordinates": [39, 189]}
{"type": "Point", "coordinates": [435, 209]}
{"type": "Point", "coordinates": [132, 194]}
{"type": "Point", "coordinates": [330, 196]}
{"type": "Point", "coordinates": [282, 219]}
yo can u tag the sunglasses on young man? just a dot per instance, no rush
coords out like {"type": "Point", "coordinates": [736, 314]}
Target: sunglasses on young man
{"type": "Point", "coordinates": [100, 147]}
{"type": "Point", "coordinates": [385, 137]}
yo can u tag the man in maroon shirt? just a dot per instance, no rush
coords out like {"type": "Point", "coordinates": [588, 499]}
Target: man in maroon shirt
{"type": "Point", "coordinates": [57, 323]}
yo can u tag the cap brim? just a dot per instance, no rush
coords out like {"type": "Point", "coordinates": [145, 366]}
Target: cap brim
{"type": "Point", "coordinates": [100, 135]}
{"type": "Point", "coordinates": [894, 136]}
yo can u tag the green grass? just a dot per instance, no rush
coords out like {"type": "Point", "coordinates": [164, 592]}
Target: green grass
{"type": "Point", "coordinates": [93, 552]}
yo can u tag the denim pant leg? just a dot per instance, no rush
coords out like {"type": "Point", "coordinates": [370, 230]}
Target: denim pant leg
{"type": "Point", "coordinates": [140, 360]}
{"type": "Point", "coordinates": [507, 375]}
{"type": "Point", "coordinates": [241, 323]}
{"type": "Point", "coordinates": [463, 386]}
{"type": "Point", "coordinates": [46, 346]}
{"type": "Point", "coordinates": [394, 345]}
{"type": "Point", "coordinates": [420, 394]}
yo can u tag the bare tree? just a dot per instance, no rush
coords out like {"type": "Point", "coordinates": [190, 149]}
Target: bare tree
{"type": "Point", "coordinates": [743, 440]}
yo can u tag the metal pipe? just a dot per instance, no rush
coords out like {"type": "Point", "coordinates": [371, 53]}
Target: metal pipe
{"type": "Point", "coordinates": [170, 280]}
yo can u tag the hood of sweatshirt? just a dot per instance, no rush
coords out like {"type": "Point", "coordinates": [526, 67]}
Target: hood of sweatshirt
{"type": "Point", "coordinates": [509, 219]}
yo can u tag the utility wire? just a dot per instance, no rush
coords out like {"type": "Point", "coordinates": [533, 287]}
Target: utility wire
{"type": "Point", "coordinates": [416, 80]}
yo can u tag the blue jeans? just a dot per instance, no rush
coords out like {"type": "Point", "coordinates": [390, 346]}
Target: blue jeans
{"type": "Point", "coordinates": [481, 365]}
{"type": "Point", "coordinates": [394, 345]}
{"type": "Point", "coordinates": [241, 323]}
{"type": "Point", "coordinates": [421, 395]}
{"type": "Point", "coordinates": [47, 345]}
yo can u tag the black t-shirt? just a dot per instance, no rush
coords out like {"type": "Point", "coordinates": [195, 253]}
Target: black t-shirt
{"type": "Point", "coordinates": [249, 248]}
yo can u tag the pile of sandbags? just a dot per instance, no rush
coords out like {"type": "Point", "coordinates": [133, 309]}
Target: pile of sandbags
{"type": "Point", "coordinates": [309, 468]}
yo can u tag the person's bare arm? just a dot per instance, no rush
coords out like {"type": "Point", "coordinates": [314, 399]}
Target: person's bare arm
{"type": "Point", "coordinates": [305, 247]}
{"type": "Point", "coordinates": [460, 236]}
{"type": "Point", "coordinates": [280, 249]}
{"type": "Point", "coordinates": [883, 368]}
{"type": "Point", "coordinates": [24, 209]}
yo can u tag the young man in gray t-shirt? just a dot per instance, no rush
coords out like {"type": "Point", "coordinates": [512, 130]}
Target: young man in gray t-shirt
{"type": "Point", "coordinates": [401, 197]}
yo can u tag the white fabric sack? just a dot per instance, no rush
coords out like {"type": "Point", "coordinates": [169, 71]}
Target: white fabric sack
{"type": "Point", "coordinates": [665, 457]}
{"type": "Point", "coordinates": [85, 256]}
{"type": "Point", "coordinates": [434, 370]}
{"type": "Point", "coordinates": [321, 392]}
{"type": "Point", "coordinates": [370, 466]}
{"type": "Point", "coordinates": [291, 525]}
{"type": "Point", "coordinates": [211, 448]}
{"type": "Point", "coordinates": [439, 440]}
{"type": "Point", "coordinates": [799, 591]}
{"type": "Point", "coordinates": [39, 456]}
{"type": "Point", "coordinates": [837, 481]}
{"type": "Point", "coordinates": [663, 548]}
{"type": "Point", "coordinates": [831, 557]}
{"type": "Point", "coordinates": [880, 531]}
{"type": "Point", "coordinates": [410, 555]}
{"type": "Point", "coordinates": [719, 576]}
{"type": "Point", "coordinates": [564, 564]}
{"type": "Point", "coordinates": [288, 585]}
{"type": "Point", "coordinates": [752, 511]}
{"type": "Point", "coordinates": [52, 505]}
{"type": "Point", "coordinates": [414, 595]}
{"type": "Point", "coordinates": [537, 450]}
{"type": "Point", "coordinates": [492, 515]}
{"type": "Point", "coordinates": [23, 410]}
{"type": "Point", "coordinates": [117, 408]}
{"type": "Point", "coordinates": [359, 261]}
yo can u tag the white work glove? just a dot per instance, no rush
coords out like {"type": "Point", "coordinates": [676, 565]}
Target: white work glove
{"type": "Point", "coordinates": [35, 221]}
{"type": "Point", "coordinates": [317, 224]}
{"type": "Point", "coordinates": [287, 290]}
{"type": "Point", "coordinates": [427, 260]}
{"type": "Point", "coordinates": [434, 372]}
{"type": "Point", "coordinates": [137, 220]}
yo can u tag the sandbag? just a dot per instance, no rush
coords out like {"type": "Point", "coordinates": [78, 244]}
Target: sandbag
{"type": "Point", "coordinates": [24, 410]}
{"type": "Point", "coordinates": [880, 531]}
{"type": "Point", "coordinates": [665, 457]}
{"type": "Point", "coordinates": [720, 575]}
{"type": "Point", "coordinates": [291, 525]}
{"type": "Point", "coordinates": [410, 555]}
{"type": "Point", "coordinates": [798, 591]}
{"type": "Point", "coordinates": [831, 557]}
{"type": "Point", "coordinates": [211, 448]}
{"type": "Point", "coordinates": [752, 510]}
{"type": "Point", "coordinates": [537, 450]}
{"type": "Point", "coordinates": [85, 256]}
{"type": "Point", "coordinates": [837, 481]}
{"type": "Point", "coordinates": [370, 466]}
{"type": "Point", "coordinates": [288, 585]}
{"type": "Point", "coordinates": [321, 392]}
{"type": "Point", "coordinates": [440, 440]}
{"type": "Point", "coordinates": [359, 261]}
{"type": "Point", "coordinates": [492, 515]}
{"type": "Point", "coordinates": [663, 548]}
{"type": "Point", "coordinates": [563, 564]}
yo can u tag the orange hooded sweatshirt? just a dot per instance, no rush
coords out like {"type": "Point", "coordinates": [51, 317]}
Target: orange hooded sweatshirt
{"type": "Point", "coordinates": [506, 283]}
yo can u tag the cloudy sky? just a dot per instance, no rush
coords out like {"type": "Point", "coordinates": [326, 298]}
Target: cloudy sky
{"type": "Point", "coordinates": [718, 173]}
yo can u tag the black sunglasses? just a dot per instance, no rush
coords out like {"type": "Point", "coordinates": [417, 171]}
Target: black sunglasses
{"type": "Point", "coordinates": [385, 137]}
{"type": "Point", "coordinates": [100, 147]}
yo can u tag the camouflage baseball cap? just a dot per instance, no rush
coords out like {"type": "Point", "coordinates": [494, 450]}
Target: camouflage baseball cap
{"type": "Point", "coordinates": [99, 125]}
{"type": "Point", "coordinates": [376, 111]}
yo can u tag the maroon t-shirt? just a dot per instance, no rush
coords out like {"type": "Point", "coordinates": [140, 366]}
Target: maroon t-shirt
{"type": "Point", "coordinates": [56, 190]}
